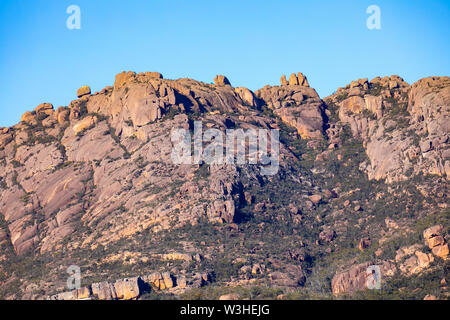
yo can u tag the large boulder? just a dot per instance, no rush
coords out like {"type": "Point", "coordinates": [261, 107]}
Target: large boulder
{"type": "Point", "coordinates": [355, 278]}
{"type": "Point", "coordinates": [292, 276]}
{"type": "Point", "coordinates": [45, 108]}
{"type": "Point", "coordinates": [122, 78]}
{"type": "Point", "coordinates": [302, 80]}
{"type": "Point", "coordinates": [221, 80]}
{"type": "Point", "coordinates": [159, 281]}
{"type": "Point", "coordinates": [127, 289]}
{"type": "Point", "coordinates": [83, 91]}
{"type": "Point", "coordinates": [83, 293]}
{"type": "Point", "coordinates": [29, 118]}
{"type": "Point", "coordinates": [293, 80]}
{"type": "Point", "coordinates": [436, 241]}
{"type": "Point", "coordinates": [62, 115]}
{"type": "Point", "coordinates": [246, 95]}
{"type": "Point", "coordinates": [104, 291]}
{"type": "Point", "coordinates": [155, 75]}
{"type": "Point", "coordinates": [221, 211]}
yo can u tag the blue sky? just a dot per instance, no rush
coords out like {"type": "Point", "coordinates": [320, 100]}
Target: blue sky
{"type": "Point", "coordinates": [252, 42]}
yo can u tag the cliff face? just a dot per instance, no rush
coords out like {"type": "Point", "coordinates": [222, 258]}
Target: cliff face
{"type": "Point", "coordinates": [85, 184]}
{"type": "Point", "coordinates": [404, 129]}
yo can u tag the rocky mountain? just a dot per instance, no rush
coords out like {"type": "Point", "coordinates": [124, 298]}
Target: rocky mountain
{"type": "Point", "coordinates": [362, 181]}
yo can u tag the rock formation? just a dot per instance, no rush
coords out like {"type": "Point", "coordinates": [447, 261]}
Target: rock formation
{"type": "Point", "coordinates": [361, 173]}
{"type": "Point", "coordinates": [83, 91]}
{"type": "Point", "coordinates": [436, 241]}
{"type": "Point", "coordinates": [295, 80]}
{"type": "Point", "coordinates": [389, 115]}
{"type": "Point", "coordinates": [355, 278]}
{"type": "Point", "coordinates": [221, 80]}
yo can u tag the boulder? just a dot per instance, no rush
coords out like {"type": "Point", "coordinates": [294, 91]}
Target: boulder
{"type": "Point", "coordinates": [104, 291]}
{"type": "Point", "coordinates": [159, 281]}
{"type": "Point", "coordinates": [292, 276]}
{"type": "Point", "coordinates": [221, 80]}
{"type": "Point", "coordinates": [416, 263]}
{"type": "Point", "coordinates": [405, 251]}
{"type": "Point", "coordinates": [246, 95]}
{"type": "Point", "coordinates": [84, 124]}
{"type": "Point", "coordinates": [122, 78]}
{"type": "Point", "coordinates": [315, 198]}
{"type": "Point", "coordinates": [155, 75]}
{"type": "Point", "coordinates": [355, 278]}
{"type": "Point", "coordinates": [63, 296]}
{"type": "Point", "coordinates": [221, 211]}
{"type": "Point", "coordinates": [127, 289]}
{"type": "Point", "coordinates": [283, 80]}
{"type": "Point", "coordinates": [29, 118]}
{"type": "Point", "coordinates": [302, 80]}
{"type": "Point", "coordinates": [62, 115]}
{"type": "Point", "coordinates": [167, 278]}
{"type": "Point", "coordinates": [231, 296]}
{"type": "Point", "coordinates": [423, 259]}
{"type": "Point", "coordinates": [436, 241]}
{"type": "Point", "coordinates": [393, 85]}
{"type": "Point", "coordinates": [374, 104]}
{"type": "Point", "coordinates": [46, 108]}
{"type": "Point", "coordinates": [327, 235]}
{"type": "Point", "coordinates": [83, 91]}
{"type": "Point", "coordinates": [177, 256]}
{"type": "Point", "coordinates": [82, 293]}
{"type": "Point", "coordinates": [258, 269]}
{"type": "Point", "coordinates": [293, 80]}
{"type": "Point", "coordinates": [298, 106]}
{"type": "Point", "coordinates": [432, 231]}
{"type": "Point", "coordinates": [441, 251]}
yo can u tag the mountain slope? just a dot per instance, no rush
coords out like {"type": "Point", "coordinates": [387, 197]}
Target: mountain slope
{"type": "Point", "coordinates": [363, 173]}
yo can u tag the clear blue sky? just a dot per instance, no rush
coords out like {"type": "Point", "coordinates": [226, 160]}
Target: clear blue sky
{"type": "Point", "coordinates": [252, 42]}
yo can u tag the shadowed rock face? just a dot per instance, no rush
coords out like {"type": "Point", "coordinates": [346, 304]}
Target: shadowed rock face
{"type": "Point", "coordinates": [99, 172]}
{"type": "Point", "coordinates": [356, 278]}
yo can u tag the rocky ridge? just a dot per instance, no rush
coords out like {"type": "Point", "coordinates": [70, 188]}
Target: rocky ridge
{"type": "Point", "coordinates": [95, 176]}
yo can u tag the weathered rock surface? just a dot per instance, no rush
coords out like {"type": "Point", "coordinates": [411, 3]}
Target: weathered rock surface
{"type": "Point", "coordinates": [399, 124]}
{"type": "Point", "coordinates": [297, 105]}
{"type": "Point", "coordinates": [355, 278]}
{"type": "Point", "coordinates": [87, 180]}
{"type": "Point", "coordinates": [104, 291]}
{"type": "Point", "coordinates": [127, 289]}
